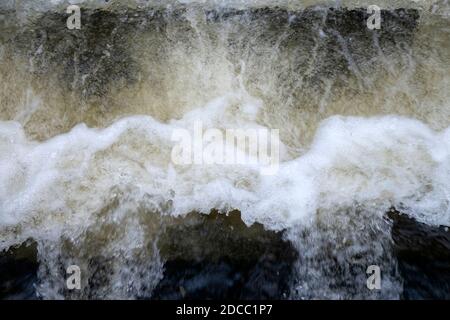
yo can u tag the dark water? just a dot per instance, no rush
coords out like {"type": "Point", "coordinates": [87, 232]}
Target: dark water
{"type": "Point", "coordinates": [259, 268]}
{"type": "Point", "coordinates": [423, 253]}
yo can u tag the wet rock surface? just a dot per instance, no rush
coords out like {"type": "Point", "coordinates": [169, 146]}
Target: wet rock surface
{"type": "Point", "coordinates": [224, 259]}
{"type": "Point", "coordinates": [18, 272]}
{"type": "Point", "coordinates": [218, 257]}
{"type": "Point", "coordinates": [423, 254]}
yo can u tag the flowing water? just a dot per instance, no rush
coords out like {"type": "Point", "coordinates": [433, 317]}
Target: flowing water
{"type": "Point", "coordinates": [86, 177]}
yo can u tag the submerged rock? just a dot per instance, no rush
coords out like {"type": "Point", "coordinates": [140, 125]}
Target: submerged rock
{"type": "Point", "coordinates": [18, 272]}
{"type": "Point", "coordinates": [423, 254]}
{"type": "Point", "coordinates": [217, 257]}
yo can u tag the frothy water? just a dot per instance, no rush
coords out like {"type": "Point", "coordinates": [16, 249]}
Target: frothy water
{"type": "Point", "coordinates": [85, 140]}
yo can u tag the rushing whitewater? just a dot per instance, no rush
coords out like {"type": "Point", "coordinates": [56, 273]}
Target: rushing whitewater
{"type": "Point", "coordinates": [87, 116]}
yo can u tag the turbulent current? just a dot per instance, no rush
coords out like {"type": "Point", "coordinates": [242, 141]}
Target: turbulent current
{"type": "Point", "coordinates": [87, 178]}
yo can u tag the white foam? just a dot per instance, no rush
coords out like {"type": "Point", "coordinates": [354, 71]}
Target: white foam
{"type": "Point", "coordinates": [352, 160]}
